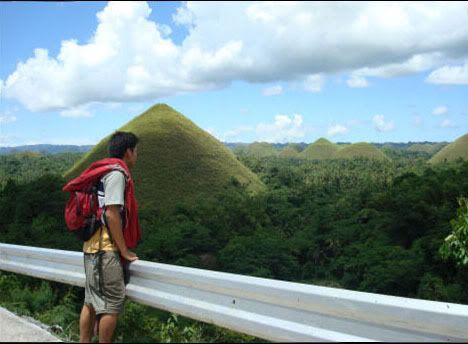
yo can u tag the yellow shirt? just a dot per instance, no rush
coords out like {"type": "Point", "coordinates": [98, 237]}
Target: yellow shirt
{"type": "Point", "coordinates": [114, 186]}
{"type": "Point", "coordinates": [92, 245]}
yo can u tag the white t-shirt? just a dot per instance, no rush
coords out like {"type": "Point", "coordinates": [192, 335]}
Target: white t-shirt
{"type": "Point", "coordinates": [114, 189]}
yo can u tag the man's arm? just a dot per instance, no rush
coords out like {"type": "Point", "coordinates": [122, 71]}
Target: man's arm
{"type": "Point", "coordinates": [115, 227]}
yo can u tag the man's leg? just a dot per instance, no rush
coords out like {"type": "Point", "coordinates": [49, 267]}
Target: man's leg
{"type": "Point", "coordinates": [107, 327]}
{"type": "Point", "coordinates": [87, 318]}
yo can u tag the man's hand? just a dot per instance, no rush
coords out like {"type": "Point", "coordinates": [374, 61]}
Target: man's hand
{"type": "Point", "coordinates": [129, 255]}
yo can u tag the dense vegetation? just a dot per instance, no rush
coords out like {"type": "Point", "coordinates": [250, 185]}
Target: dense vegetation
{"type": "Point", "coordinates": [27, 166]}
{"type": "Point", "coordinates": [367, 225]}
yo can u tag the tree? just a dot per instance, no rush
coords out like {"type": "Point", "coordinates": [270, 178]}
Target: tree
{"type": "Point", "coordinates": [456, 244]}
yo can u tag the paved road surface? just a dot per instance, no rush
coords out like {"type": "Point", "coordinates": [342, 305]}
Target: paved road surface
{"type": "Point", "coordinates": [15, 329]}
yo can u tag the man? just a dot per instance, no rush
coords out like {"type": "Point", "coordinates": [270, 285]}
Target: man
{"type": "Point", "coordinates": [105, 286]}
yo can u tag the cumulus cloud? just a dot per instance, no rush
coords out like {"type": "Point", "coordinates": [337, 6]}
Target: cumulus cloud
{"type": "Point", "coordinates": [81, 111]}
{"type": "Point", "coordinates": [13, 141]}
{"type": "Point", "coordinates": [235, 133]}
{"type": "Point", "coordinates": [7, 116]}
{"type": "Point", "coordinates": [440, 110]}
{"type": "Point", "coordinates": [414, 64]}
{"type": "Point", "coordinates": [449, 75]}
{"type": "Point", "coordinates": [284, 129]}
{"type": "Point", "coordinates": [213, 132]}
{"type": "Point", "coordinates": [7, 119]}
{"type": "Point", "coordinates": [447, 124]}
{"type": "Point", "coordinates": [128, 58]}
{"type": "Point", "coordinates": [381, 125]}
{"type": "Point", "coordinates": [313, 83]}
{"type": "Point", "coordinates": [7, 141]}
{"type": "Point", "coordinates": [417, 121]}
{"type": "Point", "coordinates": [132, 58]}
{"type": "Point", "coordinates": [356, 81]}
{"type": "Point", "coordinates": [337, 130]}
{"type": "Point", "coordinates": [273, 91]}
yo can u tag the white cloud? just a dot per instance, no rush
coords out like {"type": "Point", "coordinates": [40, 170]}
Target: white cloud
{"type": "Point", "coordinates": [337, 130]}
{"type": "Point", "coordinates": [183, 16]}
{"type": "Point", "coordinates": [7, 140]}
{"type": "Point", "coordinates": [381, 125]}
{"type": "Point", "coordinates": [273, 91]}
{"type": "Point", "coordinates": [131, 58]}
{"type": "Point", "coordinates": [313, 83]}
{"type": "Point", "coordinates": [13, 141]}
{"type": "Point", "coordinates": [8, 116]}
{"type": "Point", "coordinates": [356, 81]}
{"type": "Point", "coordinates": [7, 119]}
{"type": "Point", "coordinates": [284, 129]}
{"type": "Point", "coordinates": [449, 75]}
{"type": "Point", "coordinates": [447, 124]}
{"type": "Point", "coordinates": [213, 132]}
{"type": "Point", "coordinates": [440, 110]}
{"type": "Point", "coordinates": [235, 133]}
{"type": "Point", "coordinates": [417, 121]}
{"type": "Point", "coordinates": [81, 111]}
{"type": "Point", "coordinates": [415, 64]}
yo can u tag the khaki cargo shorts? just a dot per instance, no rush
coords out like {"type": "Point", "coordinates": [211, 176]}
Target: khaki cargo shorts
{"type": "Point", "coordinates": [105, 287]}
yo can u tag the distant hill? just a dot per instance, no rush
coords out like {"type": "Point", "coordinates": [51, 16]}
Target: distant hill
{"type": "Point", "coordinates": [291, 151]}
{"type": "Point", "coordinates": [178, 162]}
{"type": "Point", "coordinates": [257, 149]}
{"type": "Point", "coordinates": [430, 148]}
{"type": "Point", "coordinates": [45, 149]}
{"type": "Point", "coordinates": [361, 150]}
{"type": "Point", "coordinates": [455, 150]}
{"type": "Point", "coordinates": [322, 149]}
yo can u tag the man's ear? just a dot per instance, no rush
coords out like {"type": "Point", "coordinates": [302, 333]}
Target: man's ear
{"type": "Point", "coordinates": [128, 151]}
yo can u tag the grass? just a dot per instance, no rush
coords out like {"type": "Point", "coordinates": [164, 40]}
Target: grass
{"type": "Point", "coordinates": [290, 151]}
{"type": "Point", "coordinates": [361, 150]}
{"type": "Point", "coordinates": [453, 151]}
{"type": "Point", "coordinates": [257, 149]}
{"type": "Point", "coordinates": [322, 149]}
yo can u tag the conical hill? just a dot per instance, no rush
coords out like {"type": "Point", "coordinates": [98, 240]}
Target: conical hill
{"type": "Point", "coordinates": [322, 149]}
{"type": "Point", "coordinates": [257, 149]}
{"type": "Point", "coordinates": [455, 150]}
{"type": "Point", "coordinates": [178, 162]}
{"type": "Point", "coordinates": [361, 150]}
{"type": "Point", "coordinates": [290, 151]}
{"type": "Point", "coordinates": [430, 148]}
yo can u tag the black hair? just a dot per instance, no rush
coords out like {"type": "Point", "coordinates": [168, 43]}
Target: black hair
{"type": "Point", "coordinates": [119, 142]}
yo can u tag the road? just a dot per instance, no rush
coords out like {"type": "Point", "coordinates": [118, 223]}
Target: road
{"type": "Point", "coordinates": [16, 329]}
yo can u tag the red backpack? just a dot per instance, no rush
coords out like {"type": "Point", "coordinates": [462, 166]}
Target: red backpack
{"type": "Point", "coordinates": [82, 213]}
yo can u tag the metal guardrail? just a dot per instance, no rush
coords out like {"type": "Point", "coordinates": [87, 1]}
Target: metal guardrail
{"type": "Point", "coordinates": [266, 308]}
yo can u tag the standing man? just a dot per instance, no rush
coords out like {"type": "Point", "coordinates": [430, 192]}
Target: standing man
{"type": "Point", "coordinates": [109, 246]}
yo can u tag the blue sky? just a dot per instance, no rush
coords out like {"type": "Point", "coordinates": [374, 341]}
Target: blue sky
{"type": "Point", "coordinates": [72, 73]}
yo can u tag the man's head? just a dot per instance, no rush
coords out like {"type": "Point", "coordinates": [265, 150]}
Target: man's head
{"type": "Point", "coordinates": [122, 145]}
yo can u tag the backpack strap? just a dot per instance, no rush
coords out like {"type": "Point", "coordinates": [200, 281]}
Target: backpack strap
{"type": "Point", "coordinates": [121, 212]}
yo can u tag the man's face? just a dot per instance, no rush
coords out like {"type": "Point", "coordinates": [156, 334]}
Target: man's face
{"type": "Point", "coordinates": [132, 156]}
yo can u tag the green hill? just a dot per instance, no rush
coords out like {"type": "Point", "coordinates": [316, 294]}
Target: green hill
{"type": "Point", "coordinates": [361, 150]}
{"type": "Point", "coordinates": [177, 161]}
{"type": "Point", "coordinates": [453, 151]}
{"type": "Point", "coordinates": [430, 148]}
{"type": "Point", "coordinates": [322, 149]}
{"type": "Point", "coordinates": [292, 150]}
{"type": "Point", "coordinates": [257, 149]}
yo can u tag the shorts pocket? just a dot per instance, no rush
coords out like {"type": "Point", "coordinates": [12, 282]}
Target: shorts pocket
{"type": "Point", "coordinates": [113, 278]}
